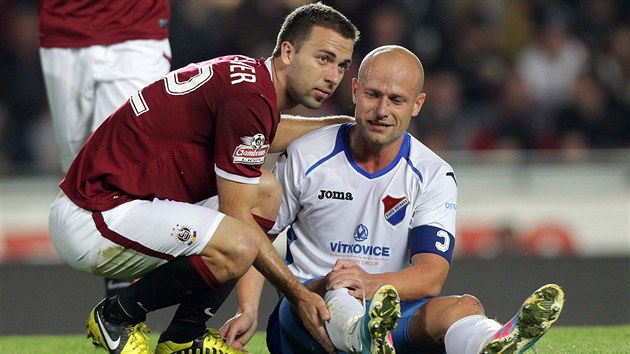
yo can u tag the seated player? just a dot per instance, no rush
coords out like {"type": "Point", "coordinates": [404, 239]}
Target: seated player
{"type": "Point", "coordinates": [371, 215]}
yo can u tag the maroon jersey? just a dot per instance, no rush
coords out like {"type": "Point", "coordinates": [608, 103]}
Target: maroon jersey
{"type": "Point", "coordinates": [82, 23]}
{"type": "Point", "coordinates": [173, 137]}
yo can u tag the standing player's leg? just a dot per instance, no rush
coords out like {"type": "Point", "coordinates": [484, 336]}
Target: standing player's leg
{"type": "Point", "coordinates": [121, 70]}
{"type": "Point", "coordinates": [69, 81]}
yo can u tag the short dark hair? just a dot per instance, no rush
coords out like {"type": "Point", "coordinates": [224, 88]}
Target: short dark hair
{"type": "Point", "coordinates": [298, 24]}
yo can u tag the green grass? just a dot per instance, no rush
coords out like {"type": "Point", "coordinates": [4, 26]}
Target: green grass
{"type": "Point", "coordinates": [578, 340]}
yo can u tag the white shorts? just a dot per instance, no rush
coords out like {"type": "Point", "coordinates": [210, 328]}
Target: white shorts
{"type": "Point", "coordinates": [86, 85]}
{"type": "Point", "coordinates": [132, 239]}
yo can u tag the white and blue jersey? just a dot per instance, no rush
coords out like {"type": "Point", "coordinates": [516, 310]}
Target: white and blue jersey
{"type": "Point", "coordinates": [336, 210]}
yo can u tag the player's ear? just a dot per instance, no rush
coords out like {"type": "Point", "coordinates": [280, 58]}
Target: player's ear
{"type": "Point", "coordinates": [355, 88]}
{"type": "Point", "coordinates": [418, 104]}
{"type": "Point", "coordinates": [287, 51]}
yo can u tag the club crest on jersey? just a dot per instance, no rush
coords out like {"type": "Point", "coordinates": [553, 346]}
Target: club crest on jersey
{"type": "Point", "coordinates": [184, 234]}
{"type": "Point", "coordinates": [251, 151]}
{"type": "Point", "coordinates": [395, 209]}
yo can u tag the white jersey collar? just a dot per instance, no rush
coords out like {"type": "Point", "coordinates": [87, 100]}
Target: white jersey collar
{"type": "Point", "coordinates": [268, 65]}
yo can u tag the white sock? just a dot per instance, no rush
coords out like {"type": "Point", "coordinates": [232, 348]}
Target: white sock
{"type": "Point", "coordinates": [469, 334]}
{"type": "Point", "coordinates": [345, 311]}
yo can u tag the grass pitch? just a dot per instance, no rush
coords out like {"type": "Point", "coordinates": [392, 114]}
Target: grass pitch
{"type": "Point", "coordinates": [563, 340]}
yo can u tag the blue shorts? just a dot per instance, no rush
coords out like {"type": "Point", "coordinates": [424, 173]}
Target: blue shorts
{"type": "Point", "coordinates": [287, 335]}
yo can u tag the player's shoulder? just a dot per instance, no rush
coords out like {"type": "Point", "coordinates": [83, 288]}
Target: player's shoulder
{"type": "Point", "coordinates": [419, 151]}
{"type": "Point", "coordinates": [314, 147]}
{"type": "Point", "coordinates": [240, 70]}
{"type": "Point", "coordinates": [238, 65]}
{"type": "Point", "coordinates": [421, 156]}
{"type": "Point", "coordinates": [232, 76]}
{"type": "Point", "coordinates": [322, 139]}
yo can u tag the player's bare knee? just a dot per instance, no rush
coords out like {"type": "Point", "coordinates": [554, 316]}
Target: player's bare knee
{"type": "Point", "coordinates": [243, 250]}
{"type": "Point", "coordinates": [231, 265]}
{"type": "Point", "coordinates": [470, 305]}
{"type": "Point", "coordinates": [444, 311]}
{"type": "Point", "coordinates": [232, 249]}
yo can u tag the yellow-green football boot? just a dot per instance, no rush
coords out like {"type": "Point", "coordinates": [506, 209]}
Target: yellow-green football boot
{"type": "Point", "coordinates": [532, 321]}
{"type": "Point", "coordinates": [210, 343]}
{"type": "Point", "coordinates": [117, 338]}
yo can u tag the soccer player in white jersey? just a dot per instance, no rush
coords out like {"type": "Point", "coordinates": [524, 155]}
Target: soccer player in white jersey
{"type": "Point", "coordinates": [371, 215]}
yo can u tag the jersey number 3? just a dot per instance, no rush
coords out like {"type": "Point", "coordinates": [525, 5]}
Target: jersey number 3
{"type": "Point", "coordinates": [444, 245]}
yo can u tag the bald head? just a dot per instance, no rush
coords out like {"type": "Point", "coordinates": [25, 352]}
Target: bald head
{"type": "Point", "coordinates": [387, 94]}
{"type": "Point", "coordinates": [396, 61]}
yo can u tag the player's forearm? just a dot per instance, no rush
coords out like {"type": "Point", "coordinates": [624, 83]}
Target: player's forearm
{"type": "Point", "coordinates": [269, 263]}
{"type": "Point", "coordinates": [237, 200]}
{"type": "Point", "coordinates": [248, 291]}
{"type": "Point", "coordinates": [293, 127]}
{"type": "Point", "coordinates": [417, 281]}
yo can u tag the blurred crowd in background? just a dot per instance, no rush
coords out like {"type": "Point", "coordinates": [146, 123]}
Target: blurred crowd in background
{"type": "Point", "coordinates": [509, 75]}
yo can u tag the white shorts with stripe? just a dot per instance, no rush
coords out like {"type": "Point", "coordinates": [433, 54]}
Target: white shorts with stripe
{"type": "Point", "coordinates": [132, 239]}
{"type": "Point", "coordinates": [86, 85]}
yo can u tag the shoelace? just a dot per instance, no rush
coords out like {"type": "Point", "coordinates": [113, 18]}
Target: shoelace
{"type": "Point", "coordinates": [139, 332]}
{"type": "Point", "coordinates": [219, 343]}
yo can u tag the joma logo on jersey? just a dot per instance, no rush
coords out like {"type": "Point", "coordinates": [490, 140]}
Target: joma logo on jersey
{"type": "Point", "coordinates": [324, 194]}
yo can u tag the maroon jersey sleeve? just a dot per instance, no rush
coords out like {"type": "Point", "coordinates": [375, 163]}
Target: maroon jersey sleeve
{"type": "Point", "coordinates": [242, 137]}
{"type": "Point", "coordinates": [172, 138]}
{"type": "Point", "coordinates": [82, 23]}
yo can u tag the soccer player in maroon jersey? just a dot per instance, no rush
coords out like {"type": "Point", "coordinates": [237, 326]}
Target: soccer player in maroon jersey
{"type": "Point", "coordinates": [94, 55]}
{"type": "Point", "coordinates": [170, 187]}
